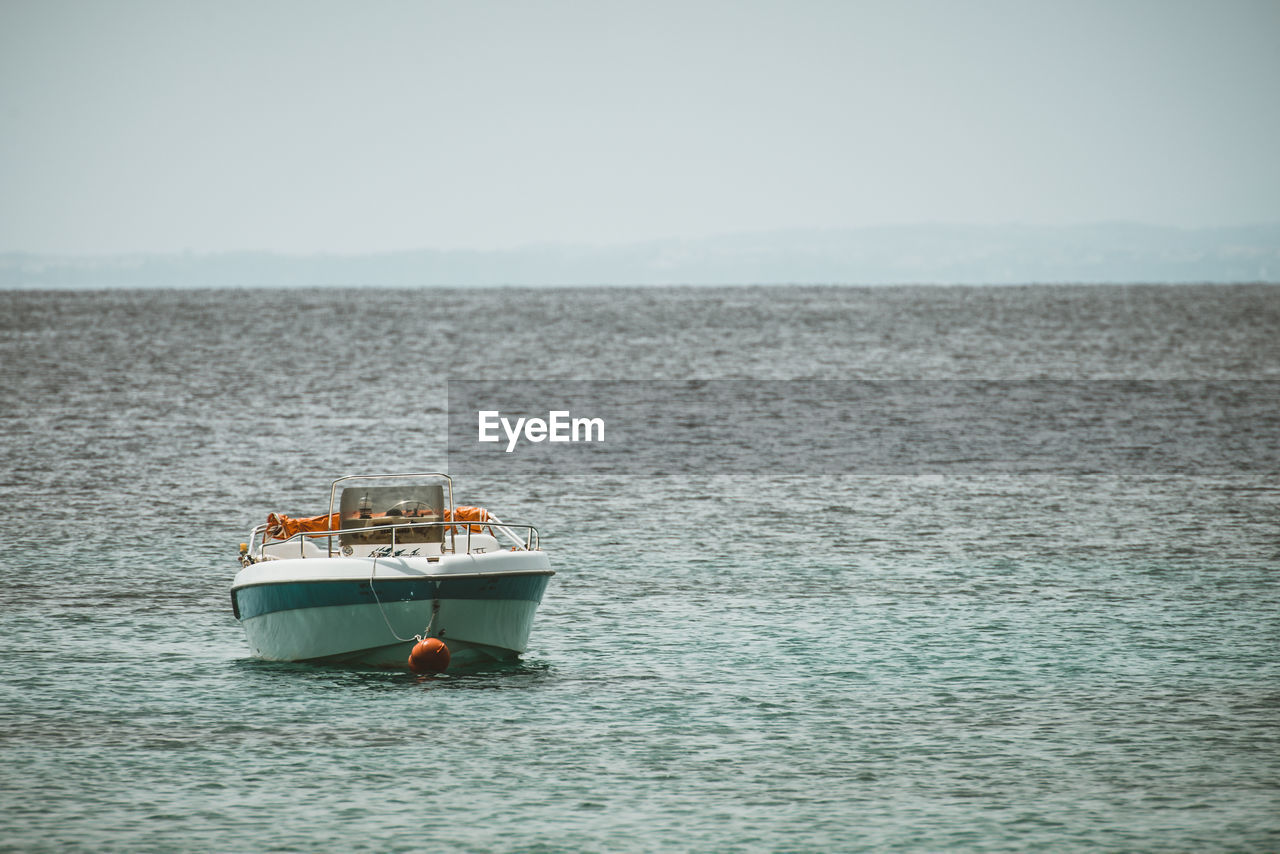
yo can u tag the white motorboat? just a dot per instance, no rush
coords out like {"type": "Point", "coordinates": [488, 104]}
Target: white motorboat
{"type": "Point", "coordinates": [393, 562]}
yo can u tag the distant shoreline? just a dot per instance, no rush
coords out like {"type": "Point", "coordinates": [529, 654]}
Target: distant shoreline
{"type": "Point", "coordinates": [892, 255]}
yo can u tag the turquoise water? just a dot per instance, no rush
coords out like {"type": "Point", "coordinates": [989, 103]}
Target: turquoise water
{"type": "Point", "coordinates": [755, 661]}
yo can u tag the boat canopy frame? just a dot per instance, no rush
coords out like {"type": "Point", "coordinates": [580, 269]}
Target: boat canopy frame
{"type": "Point", "coordinates": [333, 487]}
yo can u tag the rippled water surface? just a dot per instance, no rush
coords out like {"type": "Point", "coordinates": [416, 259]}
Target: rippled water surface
{"type": "Point", "coordinates": [755, 661]}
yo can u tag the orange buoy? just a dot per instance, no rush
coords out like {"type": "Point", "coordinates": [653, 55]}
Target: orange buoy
{"type": "Point", "coordinates": [429, 656]}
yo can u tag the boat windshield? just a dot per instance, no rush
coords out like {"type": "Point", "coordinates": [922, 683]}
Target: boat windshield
{"type": "Point", "coordinates": [406, 507]}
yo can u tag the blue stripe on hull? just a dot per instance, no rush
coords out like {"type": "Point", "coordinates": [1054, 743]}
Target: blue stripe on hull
{"type": "Point", "coordinates": [259, 599]}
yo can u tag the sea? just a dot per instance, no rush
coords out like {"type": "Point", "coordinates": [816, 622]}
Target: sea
{"type": "Point", "coordinates": [781, 658]}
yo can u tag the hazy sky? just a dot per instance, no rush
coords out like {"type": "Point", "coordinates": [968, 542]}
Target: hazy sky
{"type": "Point", "coordinates": [353, 127]}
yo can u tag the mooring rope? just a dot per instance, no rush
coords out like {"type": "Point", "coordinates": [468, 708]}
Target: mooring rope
{"type": "Point", "coordinates": [435, 607]}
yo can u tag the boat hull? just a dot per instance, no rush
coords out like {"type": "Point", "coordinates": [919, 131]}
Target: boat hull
{"type": "Point", "coordinates": [360, 612]}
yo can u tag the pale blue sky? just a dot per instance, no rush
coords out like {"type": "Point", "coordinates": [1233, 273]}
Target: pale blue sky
{"type": "Point", "coordinates": [359, 127]}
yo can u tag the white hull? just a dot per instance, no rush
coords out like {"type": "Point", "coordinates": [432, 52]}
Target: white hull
{"type": "Point", "coordinates": [473, 631]}
{"type": "Point", "coordinates": [367, 612]}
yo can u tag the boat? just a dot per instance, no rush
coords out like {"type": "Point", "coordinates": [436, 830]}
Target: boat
{"type": "Point", "coordinates": [393, 564]}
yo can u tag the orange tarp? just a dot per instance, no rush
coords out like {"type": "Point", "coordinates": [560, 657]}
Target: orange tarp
{"type": "Point", "coordinates": [462, 513]}
{"type": "Point", "coordinates": [281, 527]}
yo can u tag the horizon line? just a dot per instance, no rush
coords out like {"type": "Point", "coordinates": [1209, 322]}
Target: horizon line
{"type": "Point", "coordinates": [639, 242]}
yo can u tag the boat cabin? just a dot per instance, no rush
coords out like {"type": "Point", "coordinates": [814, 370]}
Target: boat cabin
{"type": "Point", "coordinates": [405, 519]}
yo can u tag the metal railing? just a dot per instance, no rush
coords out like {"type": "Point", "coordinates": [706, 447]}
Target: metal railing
{"type": "Point", "coordinates": [531, 541]}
